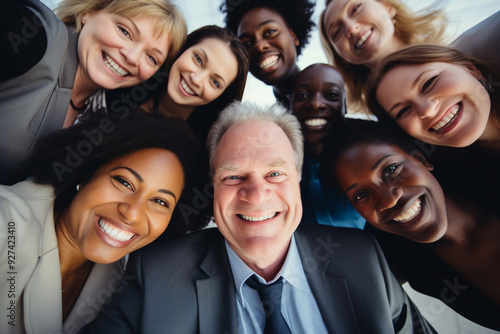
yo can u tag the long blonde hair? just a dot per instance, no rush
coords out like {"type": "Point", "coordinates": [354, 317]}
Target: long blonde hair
{"type": "Point", "coordinates": [425, 26]}
{"type": "Point", "coordinates": [170, 19]}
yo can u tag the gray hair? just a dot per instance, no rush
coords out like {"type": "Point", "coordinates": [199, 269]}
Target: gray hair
{"type": "Point", "coordinates": [242, 112]}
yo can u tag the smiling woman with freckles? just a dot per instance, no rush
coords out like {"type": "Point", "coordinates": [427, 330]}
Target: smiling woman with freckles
{"type": "Point", "coordinates": [51, 66]}
{"type": "Point", "coordinates": [100, 191]}
{"type": "Point", "coordinates": [430, 236]}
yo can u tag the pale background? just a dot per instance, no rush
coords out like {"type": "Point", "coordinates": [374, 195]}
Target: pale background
{"type": "Point", "coordinates": [462, 14]}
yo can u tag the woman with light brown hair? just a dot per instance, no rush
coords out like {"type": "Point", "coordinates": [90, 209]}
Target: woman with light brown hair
{"type": "Point", "coordinates": [356, 36]}
{"type": "Point", "coordinates": [443, 97]}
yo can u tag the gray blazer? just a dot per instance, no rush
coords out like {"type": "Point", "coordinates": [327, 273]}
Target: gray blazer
{"type": "Point", "coordinates": [33, 267]}
{"type": "Point", "coordinates": [35, 103]}
{"type": "Point", "coordinates": [186, 286]}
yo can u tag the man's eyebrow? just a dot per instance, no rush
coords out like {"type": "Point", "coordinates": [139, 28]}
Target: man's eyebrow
{"type": "Point", "coordinates": [232, 168]}
{"type": "Point", "coordinates": [225, 167]}
{"type": "Point", "coordinates": [278, 163]}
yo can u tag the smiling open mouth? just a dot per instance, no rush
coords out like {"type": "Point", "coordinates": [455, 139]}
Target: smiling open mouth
{"type": "Point", "coordinates": [448, 118]}
{"type": "Point", "coordinates": [411, 213]}
{"type": "Point", "coordinates": [363, 39]}
{"type": "Point", "coordinates": [113, 66]}
{"type": "Point", "coordinates": [186, 87]}
{"type": "Point", "coordinates": [315, 122]}
{"type": "Point", "coordinates": [258, 219]}
{"type": "Point", "coordinates": [268, 62]}
{"type": "Point", "coordinates": [114, 232]}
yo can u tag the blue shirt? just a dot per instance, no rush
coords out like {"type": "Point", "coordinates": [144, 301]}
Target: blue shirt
{"type": "Point", "coordinates": [322, 204]}
{"type": "Point", "coordinates": [298, 304]}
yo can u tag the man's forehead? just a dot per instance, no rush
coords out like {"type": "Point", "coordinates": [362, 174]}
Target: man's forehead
{"type": "Point", "coordinates": [264, 142]}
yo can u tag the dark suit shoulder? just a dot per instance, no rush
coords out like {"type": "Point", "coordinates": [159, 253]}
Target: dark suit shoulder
{"type": "Point", "coordinates": [184, 253]}
{"type": "Point", "coordinates": [354, 236]}
{"type": "Point", "coordinates": [344, 251]}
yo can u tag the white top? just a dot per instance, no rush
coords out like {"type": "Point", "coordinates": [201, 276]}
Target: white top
{"type": "Point", "coordinates": [30, 281]}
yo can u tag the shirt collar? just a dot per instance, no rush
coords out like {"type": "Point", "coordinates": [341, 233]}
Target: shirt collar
{"type": "Point", "coordinates": [292, 270]}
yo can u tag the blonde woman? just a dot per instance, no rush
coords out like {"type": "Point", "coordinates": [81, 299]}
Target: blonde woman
{"type": "Point", "coordinates": [50, 68]}
{"type": "Point", "coordinates": [356, 35]}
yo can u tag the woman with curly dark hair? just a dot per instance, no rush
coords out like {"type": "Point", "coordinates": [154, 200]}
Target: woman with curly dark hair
{"type": "Point", "coordinates": [432, 237]}
{"type": "Point", "coordinates": [274, 34]}
{"type": "Point", "coordinates": [102, 189]}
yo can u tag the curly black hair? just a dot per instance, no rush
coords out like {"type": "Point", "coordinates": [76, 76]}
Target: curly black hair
{"type": "Point", "coordinates": [71, 156]}
{"type": "Point", "coordinates": [296, 13]}
{"type": "Point", "coordinates": [358, 131]}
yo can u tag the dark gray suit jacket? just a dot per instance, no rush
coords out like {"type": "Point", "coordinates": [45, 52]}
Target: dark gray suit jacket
{"type": "Point", "coordinates": [186, 286]}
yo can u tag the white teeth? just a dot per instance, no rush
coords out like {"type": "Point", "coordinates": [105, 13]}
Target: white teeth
{"type": "Point", "coordinates": [447, 118]}
{"type": "Point", "coordinates": [258, 219]}
{"type": "Point", "coordinates": [315, 122]}
{"type": "Point", "coordinates": [270, 61]}
{"type": "Point", "coordinates": [114, 67]}
{"type": "Point", "coordinates": [410, 213]}
{"type": "Point", "coordinates": [186, 87]}
{"type": "Point", "coordinates": [115, 232]}
{"type": "Point", "coordinates": [363, 38]}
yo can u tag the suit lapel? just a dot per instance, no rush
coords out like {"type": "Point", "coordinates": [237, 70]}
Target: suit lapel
{"type": "Point", "coordinates": [331, 292]}
{"type": "Point", "coordinates": [216, 294]}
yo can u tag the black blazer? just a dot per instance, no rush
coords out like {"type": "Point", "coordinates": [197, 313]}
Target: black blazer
{"type": "Point", "coordinates": [185, 286]}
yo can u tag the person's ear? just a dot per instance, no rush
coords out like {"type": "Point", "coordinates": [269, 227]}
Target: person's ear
{"type": "Point", "coordinates": [421, 157]}
{"type": "Point", "coordinates": [85, 17]}
{"type": "Point", "coordinates": [390, 9]}
{"type": "Point", "coordinates": [296, 41]}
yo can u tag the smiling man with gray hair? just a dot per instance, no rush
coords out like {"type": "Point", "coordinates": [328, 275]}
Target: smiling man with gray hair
{"type": "Point", "coordinates": [259, 272]}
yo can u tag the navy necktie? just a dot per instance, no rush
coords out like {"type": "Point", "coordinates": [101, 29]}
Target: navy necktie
{"type": "Point", "coordinates": [270, 296]}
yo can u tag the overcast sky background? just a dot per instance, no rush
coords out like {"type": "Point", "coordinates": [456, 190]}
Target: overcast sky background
{"type": "Point", "coordinates": [462, 14]}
